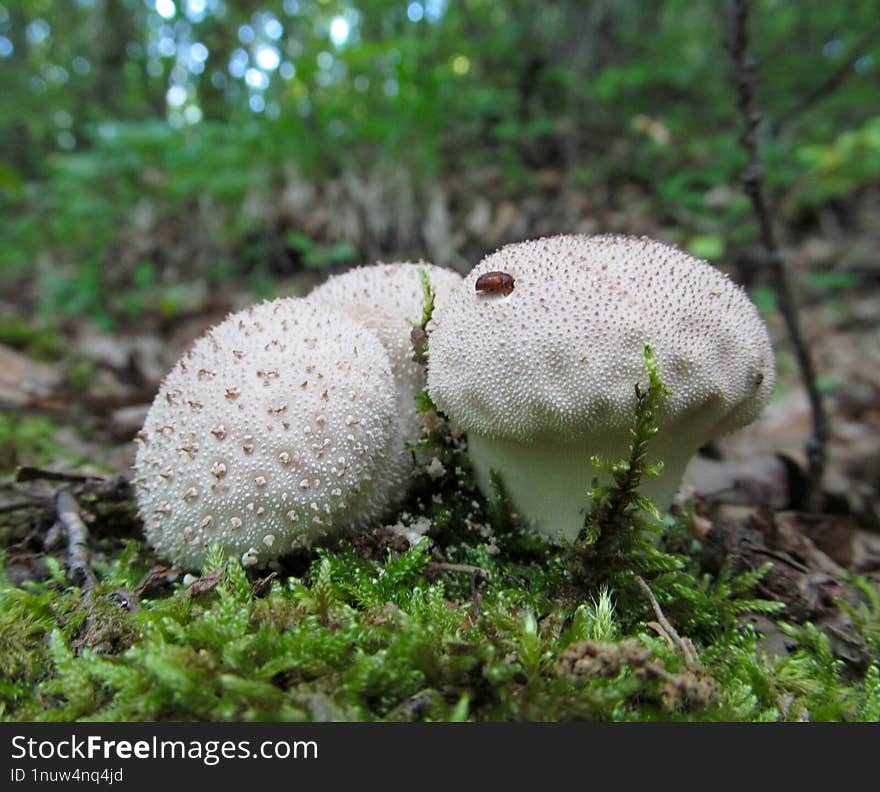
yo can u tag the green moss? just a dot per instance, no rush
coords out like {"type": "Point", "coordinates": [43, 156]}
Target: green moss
{"type": "Point", "coordinates": [79, 375]}
{"type": "Point", "coordinates": [37, 340]}
{"type": "Point", "coordinates": [622, 524]}
{"type": "Point", "coordinates": [387, 638]}
{"type": "Point", "coordinates": [480, 620]}
{"type": "Point", "coordinates": [26, 440]}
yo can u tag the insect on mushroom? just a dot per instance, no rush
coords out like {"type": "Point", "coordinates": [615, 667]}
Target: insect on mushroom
{"type": "Point", "coordinates": [495, 283]}
{"type": "Point", "coordinates": [551, 385]}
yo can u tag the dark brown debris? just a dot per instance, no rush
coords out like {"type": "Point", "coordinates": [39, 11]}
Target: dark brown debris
{"type": "Point", "coordinates": [157, 580]}
{"type": "Point", "coordinates": [692, 687]}
{"type": "Point", "coordinates": [802, 576]}
{"type": "Point", "coordinates": [205, 584]}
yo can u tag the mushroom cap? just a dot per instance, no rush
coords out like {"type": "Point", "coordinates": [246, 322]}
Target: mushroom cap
{"type": "Point", "coordinates": [388, 299]}
{"type": "Point", "coordinates": [275, 428]}
{"type": "Point", "coordinates": [560, 353]}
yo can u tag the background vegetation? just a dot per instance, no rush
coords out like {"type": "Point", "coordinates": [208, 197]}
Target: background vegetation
{"type": "Point", "coordinates": [165, 161]}
{"type": "Point", "coordinates": [151, 146]}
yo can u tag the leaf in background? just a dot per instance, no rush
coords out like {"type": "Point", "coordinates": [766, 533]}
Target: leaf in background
{"type": "Point", "coordinates": [706, 247]}
{"type": "Point", "coordinates": [10, 179]}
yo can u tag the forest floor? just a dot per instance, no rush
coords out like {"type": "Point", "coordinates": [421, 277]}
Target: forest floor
{"type": "Point", "coordinates": [74, 396]}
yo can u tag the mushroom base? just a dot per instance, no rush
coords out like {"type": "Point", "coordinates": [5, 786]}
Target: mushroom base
{"type": "Point", "coordinates": [548, 481]}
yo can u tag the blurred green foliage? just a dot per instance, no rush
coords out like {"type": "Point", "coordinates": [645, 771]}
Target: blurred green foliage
{"type": "Point", "coordinates": [41, 341]}
{"type": "Point", "coordinates": [833, 169]}
{"type": "Point", "coordinates": [184, 121]}
{"type": "Point", "coordinates": [317, 256]}
{"type": "Point", "coordinates": [28, 439]}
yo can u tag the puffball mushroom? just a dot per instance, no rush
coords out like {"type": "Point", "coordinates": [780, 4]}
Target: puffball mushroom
{"type": "Point", "coordinates": [388, 299]}
{"type": "Point", "coordinates": [537, 353]}
{"type": "Point", "coordinates": [275, 428]}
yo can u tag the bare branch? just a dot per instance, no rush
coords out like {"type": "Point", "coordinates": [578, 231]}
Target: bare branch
{"type": "Point", "coordinates": [831, 83]}
{"type": "Point", "coordinates": [753, 184]}
{"type": "Point", "coordinates": [110, 488]}
{"type": "Point", "coordinates": [30, 473]}
{"type": "Point", "coordinates": [466, 569]}
{"type": "Point", "coordinates": [683, 646]}
{"type": "Point", "coordinates": [79, 571]}
{"type": "Point", "coordinates": [18, 505]}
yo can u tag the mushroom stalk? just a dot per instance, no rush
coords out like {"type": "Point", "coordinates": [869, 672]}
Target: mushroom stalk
{"type": "Point", "coordinates": [548, 480]}
{"type": "Point", "coordinates": [536, 353]}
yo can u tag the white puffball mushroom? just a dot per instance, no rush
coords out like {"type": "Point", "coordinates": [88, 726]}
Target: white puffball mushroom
{"type": "Point", "coordinates": [275, 428]}
{"type": "Point", "coordinates": [537, 353]}
{"type": "Point", "coordinates": [388, 299]}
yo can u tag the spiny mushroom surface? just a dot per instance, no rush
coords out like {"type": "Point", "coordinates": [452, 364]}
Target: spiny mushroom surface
{"type": "Point", "coordinates": [537, 353]}
{"type": "Point", "coordinates": [278, 426]}
{"type": "Point", "coordinates": [388, 299]}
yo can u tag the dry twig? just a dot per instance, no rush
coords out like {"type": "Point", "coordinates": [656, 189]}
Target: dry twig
{"type": "Point", "coordinates": [18, 505]}
{"type": "Point", "coordinates": [753, 183]}
{"type": "Point", "coordinates": [466, 569]}
{"type": "Point", "coordinates": [30, 473]}
{"type": "Point", "coordinates": [683, 646]}
{"type": "Point", "coordinates": [79, 571]}
{"type": "Point", "coordinates": [111, 488]}
{"type": "Point", "coordinates": [829, 84]}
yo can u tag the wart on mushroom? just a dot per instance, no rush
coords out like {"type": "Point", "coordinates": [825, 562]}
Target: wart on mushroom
{"type": "Point", "coordinates": [278, 426]}
{"type": "Point", "coordinates": [537, 353]}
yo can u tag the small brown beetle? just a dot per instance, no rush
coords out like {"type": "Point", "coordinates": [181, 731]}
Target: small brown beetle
{"type": "Point", "coordinates": [494, 283]}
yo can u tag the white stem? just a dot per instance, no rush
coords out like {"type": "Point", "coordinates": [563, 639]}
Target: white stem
{"type": "Point", "coordinates": [548, 481]}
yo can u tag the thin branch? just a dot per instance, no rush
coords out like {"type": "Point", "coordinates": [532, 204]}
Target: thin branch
{"type": "Point", "coordinates": [827, 86]}
{"type": "Point", "coordinates": [753, 184]}
{"type": "Point", "coordinates": [18, 505]}
{"type": "Point", "coordinates": [465, 569]}
{"type": "Point", "coordinates": [79, 571]}
{"type": "Point", "coordinates": [683, 646]}
{"type": "Point", "coordinates": [111, 488]}
{"type": "Point", "coordinates": [30, 473]}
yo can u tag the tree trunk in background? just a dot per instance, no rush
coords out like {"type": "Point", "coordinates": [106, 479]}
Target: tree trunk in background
{"type": "Point", "coordinates": [16, 146]}
{"type": "Point", "coordinates": [109, 31]}
{"type": "Point", "coordinates": [214, 34]}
